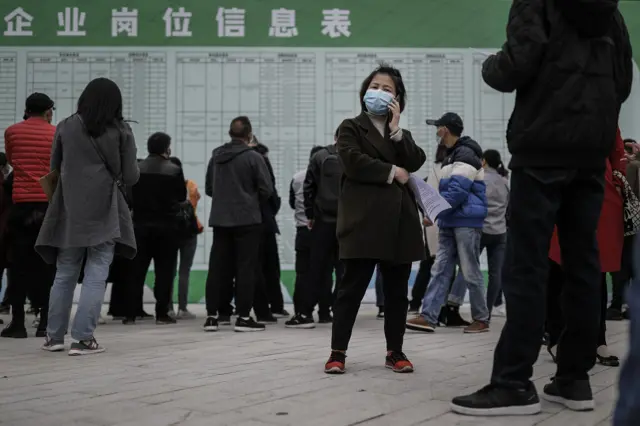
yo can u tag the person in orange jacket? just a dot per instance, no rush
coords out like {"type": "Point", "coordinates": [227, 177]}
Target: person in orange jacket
{"type": "Point", "coordinates": [187, 253]}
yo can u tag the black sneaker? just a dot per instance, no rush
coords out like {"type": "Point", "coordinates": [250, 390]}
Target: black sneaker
{"type": "Point", "coordinates": [268, 320]}
{"type": "Point", "coordinates": [576, 395]}
{"type": "Point", "coordinates": [52, 346]}
{"type": "Point", "coordinates": [281, 314]}
{"type": "Point", "coordinates": [300, 321]}
{"type": "Point", "coordinates": [454, 319]}
{"type": "Point", "coordinates": [85, 347]}
{"type": "Point", "coordinates": [14, 331]}
{"type": "Point", "coordinates": [614, 314]}
{"type": "Point", "coordinates": [442, 318]}
{"type": "Point", "coordinates": [41, 332]}
{"type": "Point", "coordinates": [165, 320]}
{"type": "Point", "coordinates": [5, 309]}
{"type": "Point", "coordinates": [325, 319]}
{"type": "Point", "coordinates": [211, 324]}
{"type": "Point", "coordinates": [144, 316]}
{"type": "Point", "coordinates": [129, 321]}
{"type": "Point", "coordinates": [413, 310]}
{"type": "Point", "coordinates": [248, 325]}
{"type": "Point", "coordinates": [496, 401]}
{"type": "Point", "coordinates": [380, 315]}
{"type": "Point", "coordinates": [224, 319]}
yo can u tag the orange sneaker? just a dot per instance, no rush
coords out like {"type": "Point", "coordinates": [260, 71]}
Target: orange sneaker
{"type": "Point", "coordinates": [398, 362]}
{"type": "Point", "coordinates": [336, 362]}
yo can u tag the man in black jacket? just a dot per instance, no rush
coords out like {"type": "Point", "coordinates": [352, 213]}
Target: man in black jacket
{"type": "Point", "coordinates": [321, 190]}
{"type": "Point", "coordinates": [269, 302]}
{"type": "Point", "coordinates": [237, 182]}
{"type": "Point", "coordinates": [156, 203]}
{"type": "Point", "coordinates": [570, 64]}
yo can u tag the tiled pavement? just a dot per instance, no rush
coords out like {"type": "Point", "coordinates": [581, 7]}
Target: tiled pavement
{"type": "Point", "coordinates": [179, 375]}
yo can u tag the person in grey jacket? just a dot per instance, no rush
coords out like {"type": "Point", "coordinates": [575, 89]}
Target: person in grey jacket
{"type": "Point", "coordinates": [237, 181]}
{"type": "Point", "coordinates": [88, 214]}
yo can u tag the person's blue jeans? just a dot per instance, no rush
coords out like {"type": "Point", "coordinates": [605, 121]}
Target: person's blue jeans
{"type": "Point", "coordinates": [496, 245]}
{"type": "Point", "coordinates": [456, 245]}
{"type": "Point", "coordinates": [96, 271]}
{"type": "Point", "coordinates": [627, 410]}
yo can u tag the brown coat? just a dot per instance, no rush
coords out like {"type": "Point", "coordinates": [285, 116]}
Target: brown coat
{"type": "Point", "coordinates": [377, 220]}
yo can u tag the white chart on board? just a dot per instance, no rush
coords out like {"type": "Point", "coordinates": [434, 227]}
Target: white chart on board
{"type": "Point", "coordinates": [141, 76]}
{"type": "Point", "coordinates": [8, 91]}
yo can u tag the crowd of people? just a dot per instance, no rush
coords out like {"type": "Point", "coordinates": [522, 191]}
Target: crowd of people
{"type": "Point", "coordinates": [77, 205]}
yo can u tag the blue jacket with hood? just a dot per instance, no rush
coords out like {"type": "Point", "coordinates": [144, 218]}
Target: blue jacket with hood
{"type": "Point", "coordinates": [462, 185]}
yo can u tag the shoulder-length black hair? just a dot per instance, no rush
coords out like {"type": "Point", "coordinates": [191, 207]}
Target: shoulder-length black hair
{"type": "Point", "coordinates": [441, 153]}
{"type": "Point", "coordinates": [494, 160]}
{"type": "Point", "coordinates": [100, 106]}
{"type": "Point", "coordinates": [396, 77]}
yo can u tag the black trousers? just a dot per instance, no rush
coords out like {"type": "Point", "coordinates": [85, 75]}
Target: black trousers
{"type": "Point", "coordinates": [271, 270]}
{"type": "Point", "coordinates": [235, 254]}
{"type": "Point", "coordinates": [356, 278]}
{"type": "Point", "coordinates": [540, 199]}
{"type": "Point", "coordinates": [555, 320]}
{"type": "Point", "coordinates": [303, 268]}
{"type": "Point", "coordinates": [323, 260]}
{"type": "Point", "coordinates": [28, 274]}
{"type": "Point", "coordinates": [621, 279]}
{"type": "Point", "coordinates": [422, 279]}
{"type": "Point", "coordinates": [119, 273]}
{"type": "Point", "coordinates": [267, 293]}
{"type": "Point", "coordinates": [161, 246]}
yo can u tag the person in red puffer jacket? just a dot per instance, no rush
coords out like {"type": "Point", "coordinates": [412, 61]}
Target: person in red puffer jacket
{"type": "Point", "coordinates": [28, 148]}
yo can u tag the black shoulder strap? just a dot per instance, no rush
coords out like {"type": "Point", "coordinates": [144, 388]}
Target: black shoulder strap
{"type": "Point", "coordinates": [115, 178]}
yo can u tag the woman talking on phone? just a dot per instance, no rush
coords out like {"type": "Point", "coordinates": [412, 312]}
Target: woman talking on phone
{"type": "Point", "coordinates": [378, 221]}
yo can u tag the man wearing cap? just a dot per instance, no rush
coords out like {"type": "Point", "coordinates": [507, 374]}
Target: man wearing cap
{"type": "Point", "coordinates": [28, 147]}
{"type": "Point", "coordinates": [462, 185]}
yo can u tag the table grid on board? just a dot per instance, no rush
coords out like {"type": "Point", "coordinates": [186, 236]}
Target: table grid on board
{"type": "Point", "coordinates": [434, 83]}
{"type": "Point", "coordinates": [491, 112]}
{"type": "Point", "coordinates": [140, 76]}
{"type": "Point", "coordinates": [8, 92]}
{"type": "Point", "coordinates": [275, 90]}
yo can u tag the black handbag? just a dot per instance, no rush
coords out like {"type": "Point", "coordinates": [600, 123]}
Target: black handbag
{"type": "Point", "coordinates": [631, 206]}
{"type": "Point", "coordinates": [186, 219]}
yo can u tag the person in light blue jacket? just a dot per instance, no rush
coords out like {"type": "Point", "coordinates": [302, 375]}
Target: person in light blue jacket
{"type": "Point", "coordinates": [462, 186]}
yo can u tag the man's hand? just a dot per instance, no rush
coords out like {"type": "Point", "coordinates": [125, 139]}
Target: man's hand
{"type": "Point", "coordinates": [426, 222]}
{"type": "Point", "coordinates": [310, 224]}
{"type": "Point", "coordinates": [634, 147]}
{"type": "Point", "coordinates": [401, 175]}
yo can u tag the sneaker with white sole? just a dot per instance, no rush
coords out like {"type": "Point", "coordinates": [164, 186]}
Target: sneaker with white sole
{"type": "Point", "coordinates": [499, 311]}
{"type": "Point", "coordinates": [85, 347]}
{"type": "Point", "coordinates": [248, 325]}
{"type": "Point", "coordinates": [185, 314]}
{"type": "Point", "coordinates": [210, 324]}
{"type": "Point", "coordinates": [576, 395]}
{"type": "Point", "coordinates": [52, 346]}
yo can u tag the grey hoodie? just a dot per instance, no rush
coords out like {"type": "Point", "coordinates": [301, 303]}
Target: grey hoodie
{"type": "Point", "coordinates": [237, 180]}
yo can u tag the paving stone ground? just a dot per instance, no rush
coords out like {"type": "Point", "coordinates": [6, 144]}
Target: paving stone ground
{"type": "Point", "coordinates": [179, 375]}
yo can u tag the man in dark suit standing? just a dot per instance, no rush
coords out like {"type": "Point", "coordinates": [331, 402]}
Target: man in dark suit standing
{"type": "Point", "coordinates": [237, 181]}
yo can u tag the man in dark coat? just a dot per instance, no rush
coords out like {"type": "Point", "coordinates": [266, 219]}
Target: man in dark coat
{"type": "Point", "coordinates": [570, 64]}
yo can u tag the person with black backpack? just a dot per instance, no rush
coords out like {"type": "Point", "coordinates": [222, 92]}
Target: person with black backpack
{"type": "Point", "coordinates": [321, 191]}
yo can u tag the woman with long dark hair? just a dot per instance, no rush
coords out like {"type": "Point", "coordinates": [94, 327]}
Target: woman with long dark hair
{"type": "Point", "coordinates": [378, 221]}
{"type": "Point", "coordinates": [494, 230]}
{"type": "Point", "coordinates": [94, 153]}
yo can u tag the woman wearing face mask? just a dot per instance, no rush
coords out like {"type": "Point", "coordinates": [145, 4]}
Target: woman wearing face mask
{"type": "Point", "coordinates": [378, 220]}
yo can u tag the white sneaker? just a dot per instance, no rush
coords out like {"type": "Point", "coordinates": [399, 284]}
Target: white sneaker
{"type": "Point", "coordinates": [101, 320]}
{"type": "Point", "coordinates": [500, 311]}
{"type": "Point", "coordinates": [185, 314]}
